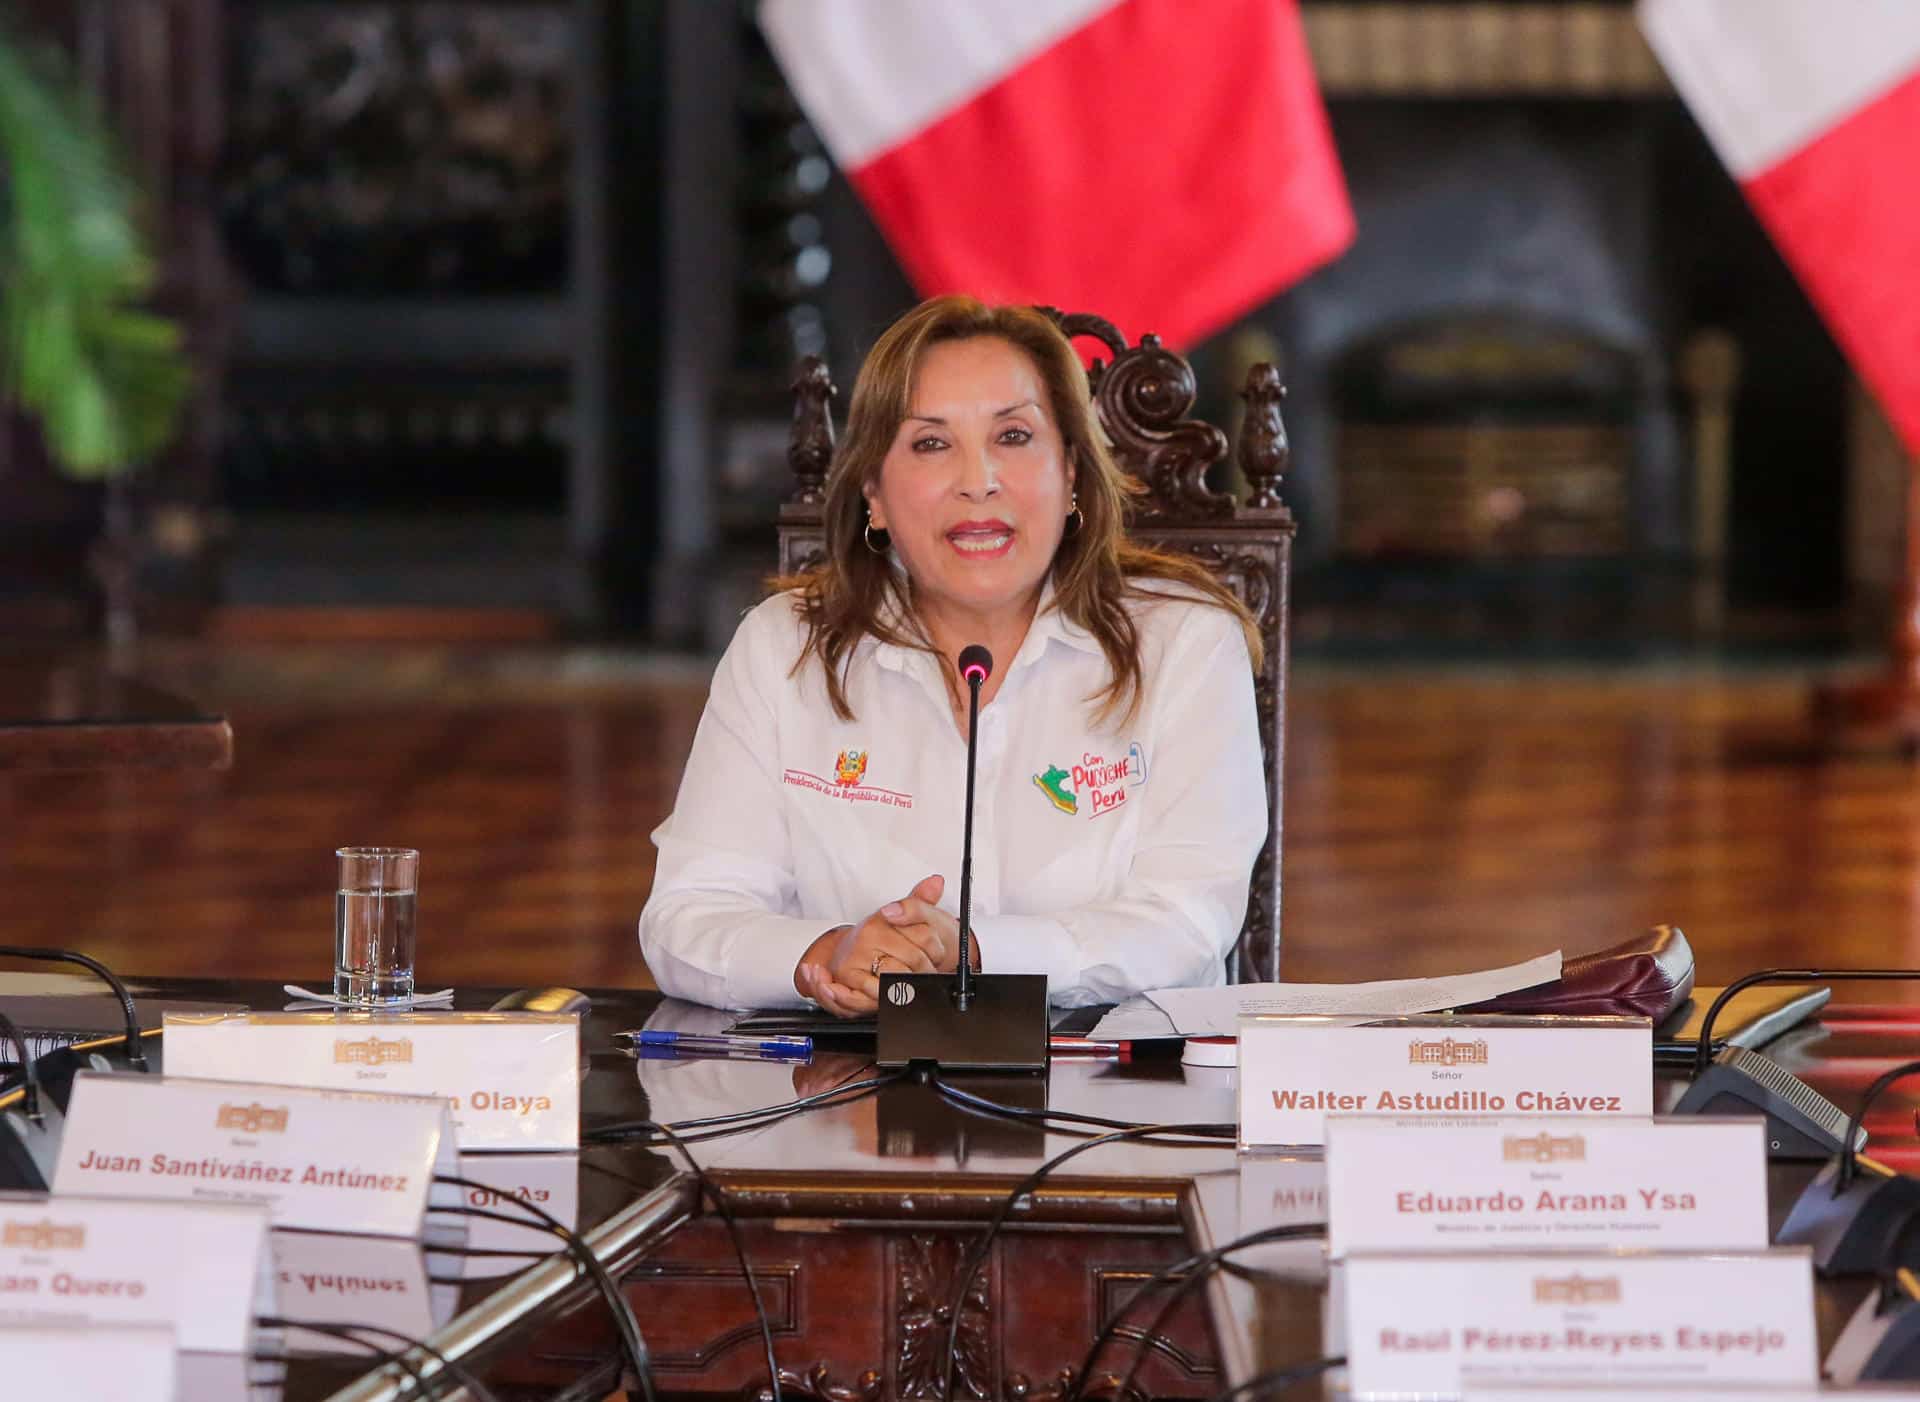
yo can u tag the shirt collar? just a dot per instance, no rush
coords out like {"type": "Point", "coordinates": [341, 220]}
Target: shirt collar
{"type": "Point", "coordinates": [1049, 625]}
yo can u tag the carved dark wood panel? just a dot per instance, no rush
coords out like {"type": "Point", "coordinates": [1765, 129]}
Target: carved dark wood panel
{"type": "Point", "coordinates": [1143, 397]}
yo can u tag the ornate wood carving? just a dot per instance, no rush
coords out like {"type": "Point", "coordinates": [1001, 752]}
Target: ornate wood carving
{"type": "Point", "coordinates": [810, 440]}
{"type": "Point", "coordinates": [1143, 398]}
{"type": "Point", "coordinates": [924, 1266]}
{"type": "Point", "coordinates": [1263, 453]}
{"type": "Point", "coordinates": [818, 1382]}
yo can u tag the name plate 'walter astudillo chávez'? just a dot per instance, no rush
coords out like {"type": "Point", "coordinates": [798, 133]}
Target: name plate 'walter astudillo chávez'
{"type": "Point", "coordinates": [1295, 1071]}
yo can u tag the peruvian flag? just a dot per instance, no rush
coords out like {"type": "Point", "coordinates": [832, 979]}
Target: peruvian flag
{"type": "Point", "coordinates": [1814, 105]}
{"type": "Point", "coordinates": [1162, 163]}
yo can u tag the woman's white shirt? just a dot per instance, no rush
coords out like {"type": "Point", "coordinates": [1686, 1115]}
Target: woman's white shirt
{"type": "Point", "coordinates": [1112, 857]}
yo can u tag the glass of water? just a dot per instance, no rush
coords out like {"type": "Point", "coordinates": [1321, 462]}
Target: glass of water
{"type": "Point", "coordinates": [373, 926]}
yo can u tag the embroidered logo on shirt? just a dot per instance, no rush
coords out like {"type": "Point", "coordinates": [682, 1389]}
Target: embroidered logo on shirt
{"type": "Point", "coordinates": [848, 782]}
{"type": "Point", "coordinates": [1103, 782]}
{"type": "Point", "coordinates": [849, 767]}
{"type": "Point", "coordinates": [1049, 784]}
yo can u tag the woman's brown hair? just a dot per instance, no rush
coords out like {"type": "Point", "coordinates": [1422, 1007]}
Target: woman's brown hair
{"type": "Point", "coordinates": [856, 592]}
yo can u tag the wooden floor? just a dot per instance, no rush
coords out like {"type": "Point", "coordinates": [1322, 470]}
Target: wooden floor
{"type": "Point", "coordinates": [1435, 820]}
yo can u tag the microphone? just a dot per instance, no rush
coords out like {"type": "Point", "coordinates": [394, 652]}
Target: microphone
{"type": "Point", "coordinates": [1856, 1214]}
{"type": "Point", "coordinates": [26, 1149]}
{"type": "Point", "coordinates": [1801, 1122]}
{"type": "Point", "coordinates": [990, 1022]}
{"type": "Point", "coordinates": [135, 1055]}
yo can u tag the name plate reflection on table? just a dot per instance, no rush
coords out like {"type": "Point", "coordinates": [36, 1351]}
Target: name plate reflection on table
{"type": "Point", "coordinates": [1432, 1325]}
{"type": "Point", "coordinates": [127, 1362]}
{"type": "Point", "coordinates": [325, 1160]}
{"type": "Point", "coordinates": [1523, 1184]}
{"type": "Point", "coordinates": [513, 1183]}
{"type": "Point", "coordinates": [513, 1078]}
{"type": "Point", "coordinates": [1295, 1071]}
{"type": "Point", "coordinates": [331, 1279]}
{"type": "Point", "coordinates": [201, 1270]}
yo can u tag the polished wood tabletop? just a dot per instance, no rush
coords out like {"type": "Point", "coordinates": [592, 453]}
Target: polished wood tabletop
{"type": "Point", "coordinates": [77, 714]}
{"type": "Point", "coordinates": [857, 1216]}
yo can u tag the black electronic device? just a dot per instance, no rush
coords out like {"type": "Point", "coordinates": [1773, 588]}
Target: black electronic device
{"type": "Point", "coordinates": [1801, 1122]}
{"type": "Point", "coordinates": [994, 1022]}
{"type": "Point", "coordinates": [136, 1057]}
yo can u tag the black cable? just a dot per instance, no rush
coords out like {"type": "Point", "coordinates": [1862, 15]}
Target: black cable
{"type": "Point", "coordinates": [948, 1091]}
{"type": "Point", "coordinates": [457, 1371]}
{"type": "Point", "coordinates": [1264, 1384]}
{"type": "Point", "coordinates": [1843, 1179]}
{"type": "Point", "coordinates": [29, 1073]}
{"type": "Point", "coordinates": [389, 1358]}
{"type": "Point", "coordinates": [970, 1267]}
{"type": "Point", "coordinates": [625, 1323]}
{"type": "Point", "coordinates": [619, 1131]}
{"type": "Point", "coordinates": [1194, 1269]}
{"type": "Point", "coordinates": [135, 1056]}
{"type": "Point", "coordinates": [721, 1206]}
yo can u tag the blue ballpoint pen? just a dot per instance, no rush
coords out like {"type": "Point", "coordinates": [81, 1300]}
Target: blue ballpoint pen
{"type": "Point", "coordinates": [721, 1042]}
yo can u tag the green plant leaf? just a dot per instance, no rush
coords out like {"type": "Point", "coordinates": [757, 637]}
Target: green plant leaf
{"type": "Point", "coordinates": [105, 378]}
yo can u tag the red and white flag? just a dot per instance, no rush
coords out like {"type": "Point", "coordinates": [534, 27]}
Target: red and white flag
{"type": "Point", "coordinates": [1814, 105]}
{"type": "Point", "coordinates": [1163, 163]}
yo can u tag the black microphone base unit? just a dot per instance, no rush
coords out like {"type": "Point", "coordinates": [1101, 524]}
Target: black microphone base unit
{"type": "Point", "coordinates": [1856, 1231]}
{"type": "Point", "coordinates": [1801, 1122]}
{"type": "Point", "coordinates": [1003, 1028]}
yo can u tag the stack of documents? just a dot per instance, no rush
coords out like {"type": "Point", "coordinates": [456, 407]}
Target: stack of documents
{"type": "Point", "coordinates": [1216, 1012]}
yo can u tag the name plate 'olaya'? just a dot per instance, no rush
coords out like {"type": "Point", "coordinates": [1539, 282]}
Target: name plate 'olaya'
{"type": "Point", "coordinates": [199, 1270]}
{"type": "Point", "coordinates": [1585, 1182]}
{"type": "Point", "coordinates": [327, 1160]}
{"type": "Point", "coordinates": [513, 1078]}
{"type": "Point", "coordinates": [1433, 1325]}
{"type": "Point", "coordinates": [1295, 1071]}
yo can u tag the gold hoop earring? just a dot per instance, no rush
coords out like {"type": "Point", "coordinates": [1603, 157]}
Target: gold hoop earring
{"type": "Point", "coordinates": [867, 535]}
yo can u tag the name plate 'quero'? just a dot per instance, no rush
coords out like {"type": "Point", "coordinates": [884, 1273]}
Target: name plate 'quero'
{"type": "Point", "coordinates": [513, 1078]}
{"type": "Point", "coordinates": [1295, 1071]}
{"type": "Point", "coordinates": [326, 1160]}
{"type": "Point", "coordinates": [200, 1271]}
{"type": "Point", "coordinates": [1583, 1182]}
{"type": "Point", "coordinates": [127, 1362]}
{"type": "Point", "coordinates": [1434, 1325]}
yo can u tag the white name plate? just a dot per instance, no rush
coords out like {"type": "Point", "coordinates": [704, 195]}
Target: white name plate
{"type": "Point", "coordinates": [198, 1270]}
{"type": "Point", "coordinates": [1295, 1071]}
{"type": "Point", "coordinates": [1283, 1190]}
{"type": "Point", "coordinates": [1556, 1182]}
{"type": "Point", "coordinates": [513, 1078]}
{"type": "Point", "coordinates": [1433, 1325]}
{"type": "Point", "coordinates": [327, 1160]}
{"type": "Point", "coordinates": [125, 1361]}
{"type": "Point", "coordinates": [330, 1279]}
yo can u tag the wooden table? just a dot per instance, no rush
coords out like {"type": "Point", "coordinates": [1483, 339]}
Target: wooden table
{"type": "Point", "coordinates": [855, 1217]}
{"type": "Point", "coordinates": [77, 715]}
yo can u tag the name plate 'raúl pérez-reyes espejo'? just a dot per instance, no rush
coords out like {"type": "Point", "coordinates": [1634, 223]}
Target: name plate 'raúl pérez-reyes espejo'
{"type": "Point", "coordinates": [326, 1160]}
{"type": "Point", "coordinates": [1583, 1182]}
{"type": "Point", "coordinates": [512, 1078]}
{"type": "Point", "coordinates": [1295, 1071]}
{"type": "Point", "coordinates": [1429, 1325]}
{"type": "Point", "coordinates": [202, 1270]}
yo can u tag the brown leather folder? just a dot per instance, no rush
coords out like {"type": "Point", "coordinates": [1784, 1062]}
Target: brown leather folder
{"type": "Point", "coordinates": [1647, 976]}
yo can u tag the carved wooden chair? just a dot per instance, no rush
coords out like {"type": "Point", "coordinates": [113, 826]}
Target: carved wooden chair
{"type": "Point", "coordinates": [1142, 399]}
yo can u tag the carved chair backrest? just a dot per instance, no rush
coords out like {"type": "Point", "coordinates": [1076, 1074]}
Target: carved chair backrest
{"type": "Point", "coordinates": [1142, 399]}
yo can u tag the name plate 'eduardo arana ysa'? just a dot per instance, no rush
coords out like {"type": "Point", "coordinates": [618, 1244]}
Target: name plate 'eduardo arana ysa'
{"type": "Point", "coordinates": [1295, 1071]}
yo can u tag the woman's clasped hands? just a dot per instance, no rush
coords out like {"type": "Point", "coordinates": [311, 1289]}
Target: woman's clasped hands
{"type": "Point", "coordinates": [841, 970]}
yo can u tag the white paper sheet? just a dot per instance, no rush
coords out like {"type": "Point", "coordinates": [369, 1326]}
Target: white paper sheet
{"type": "Point", "coordinates": [1216, 1012]}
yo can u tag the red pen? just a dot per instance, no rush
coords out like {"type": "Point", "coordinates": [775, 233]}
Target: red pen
{"type": "Point", "coordinates": [1087, 1046]}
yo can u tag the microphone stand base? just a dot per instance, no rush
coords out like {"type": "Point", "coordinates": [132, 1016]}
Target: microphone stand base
{"type": "Point", "coordinates": [1003, 1029]}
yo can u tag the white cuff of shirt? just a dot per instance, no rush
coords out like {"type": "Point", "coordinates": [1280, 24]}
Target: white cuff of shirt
{"type": "Point", "coordinates": [763, 956]}
{"type": "Point", "coordinates": [1030, 944]}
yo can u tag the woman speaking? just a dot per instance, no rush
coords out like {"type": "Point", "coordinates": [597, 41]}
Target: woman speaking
{"type": "Point", "coordinates": [1120, 799]}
